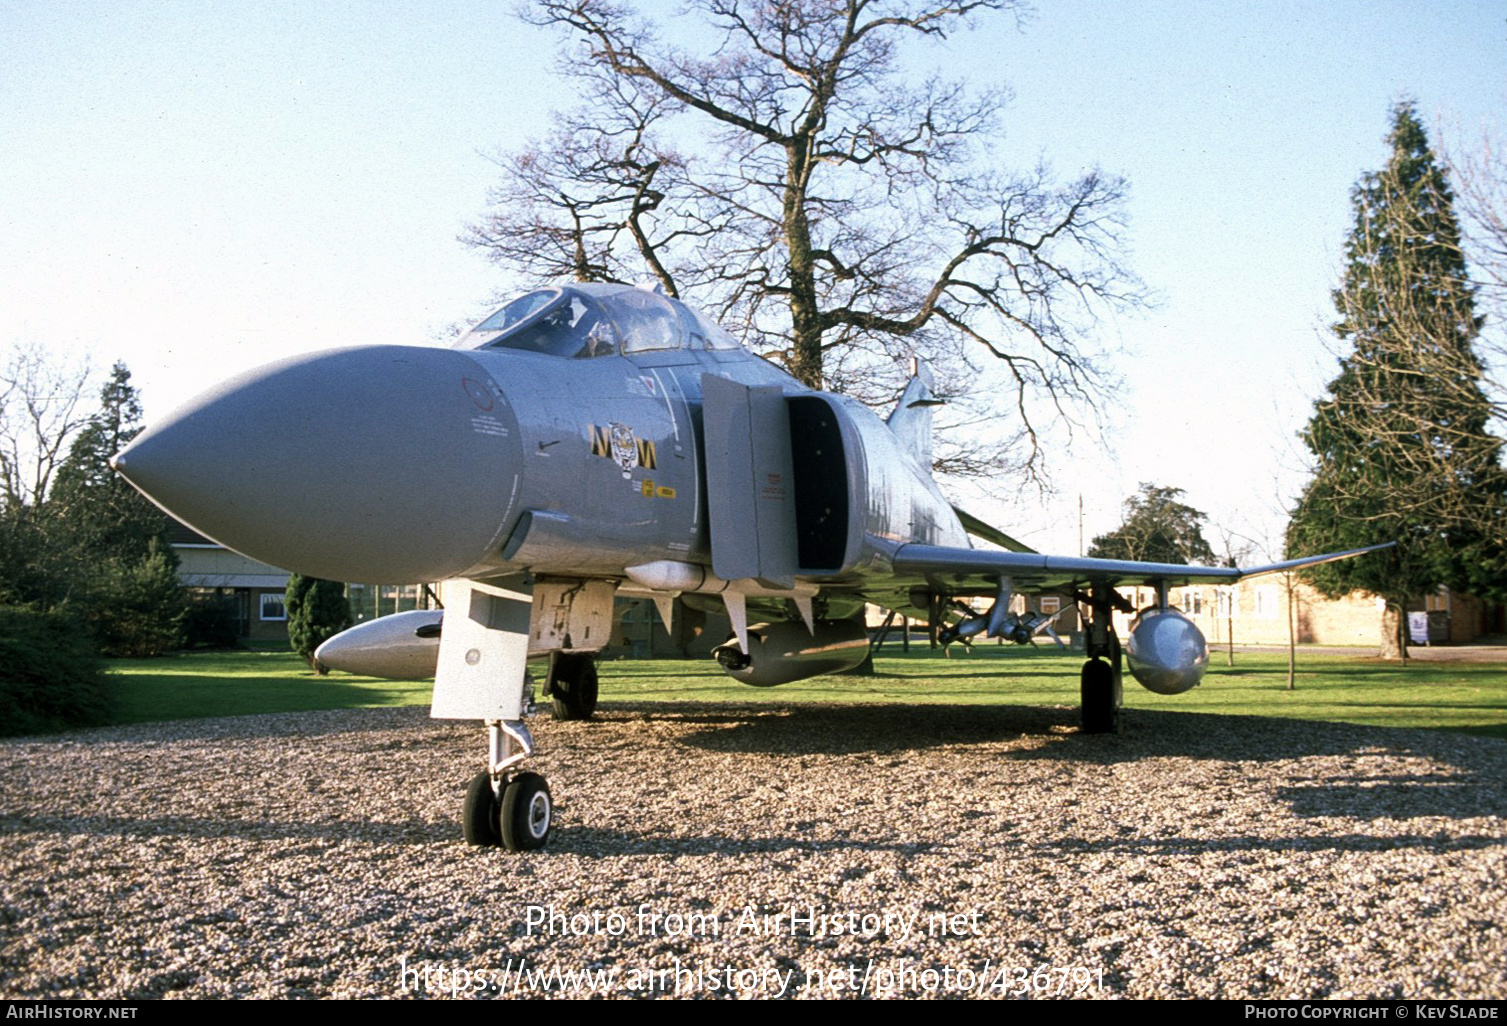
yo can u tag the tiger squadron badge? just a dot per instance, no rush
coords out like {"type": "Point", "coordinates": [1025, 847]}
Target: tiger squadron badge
{"type": "Point", "coordinates": [618, 443]}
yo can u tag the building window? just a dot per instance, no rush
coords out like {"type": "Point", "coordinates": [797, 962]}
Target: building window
{"type": "Point", "coordinates": [1224, 599]}
{"type": "Point", "coordinates": [272, 606]}
{"type": "Point", "coordinates": [1266, 603]}
{"type": "Point", "coordinates": [1050, 604]}
{"type": "Point", "coordinates": [1193, 601]}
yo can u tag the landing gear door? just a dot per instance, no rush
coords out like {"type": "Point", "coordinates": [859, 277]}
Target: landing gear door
{"type": "Point", "coordinates": [483, 650]}
{"type": "Point", "coordinates": [750, 482]}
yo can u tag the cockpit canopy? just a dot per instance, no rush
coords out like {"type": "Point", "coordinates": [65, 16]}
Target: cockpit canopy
{"type": "Point", "coordinates": [587, 320]}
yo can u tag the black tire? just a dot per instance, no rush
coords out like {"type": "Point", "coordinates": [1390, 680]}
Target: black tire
{"type": "Point", "coordinates": [1101, 706]}
{"type": "Point", "coordinates": [527, 813]}
{"type": "Point", "coordinates": [479, 817]}
{"type": "Point", "coordinates": [573, 685]}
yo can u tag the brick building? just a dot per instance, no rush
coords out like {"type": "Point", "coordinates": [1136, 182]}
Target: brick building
{"type": "Point", "coordinates": [1256, 612]}
{"type": "Point", "coordinates": [254, 590]}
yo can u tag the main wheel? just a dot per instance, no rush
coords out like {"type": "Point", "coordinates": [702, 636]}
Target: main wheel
{"type": "Point", "coordinates": [526, 813]}
{"type": "Point", "coordinates": [479, 817]}
{"type": "Point", "coordinates": [573, 685]}
{"type": "Point", "coordinates": [1101, 706]}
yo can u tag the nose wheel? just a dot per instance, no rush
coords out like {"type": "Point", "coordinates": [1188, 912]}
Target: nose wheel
{"type": "Point", "coordinates": [505, 807]}
{"type": "Point", "coordinates": [526, 813]}
{"type": "Point", "coordinates": [479, 815]}
{"type": "Point", "coordinates": [518, 815]}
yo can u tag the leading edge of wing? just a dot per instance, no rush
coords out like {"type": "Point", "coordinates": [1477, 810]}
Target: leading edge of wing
{"type": "Point", "coordinates": [1043, 570]}
{"type": "Point", "coordinates": [1297, 564]}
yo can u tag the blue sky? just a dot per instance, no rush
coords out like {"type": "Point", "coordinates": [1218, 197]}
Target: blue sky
{"type": "Point", "coordinates": [197, 188]}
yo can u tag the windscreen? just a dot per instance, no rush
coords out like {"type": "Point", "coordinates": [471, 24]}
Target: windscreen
{"type": "Point", "coordinates": [553, 322]}
{"type": "Point", "coordinates": [596, 321]}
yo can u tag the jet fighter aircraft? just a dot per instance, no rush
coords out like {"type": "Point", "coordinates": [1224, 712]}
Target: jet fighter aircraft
{"type": "Point", "coordinates": [590, 440]}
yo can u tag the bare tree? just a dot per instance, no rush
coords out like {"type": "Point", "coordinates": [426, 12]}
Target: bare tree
{"type": "Point", "coordinates": [1238, 550]}
{"type": "Point", "coordinates": [1481, 186]}
{"type": "Point", "coordinates": [42, 405]}
{"type": "Point", "coordinates": [580, 203]}
{"type": "Point", "coordinates": [841, 214]}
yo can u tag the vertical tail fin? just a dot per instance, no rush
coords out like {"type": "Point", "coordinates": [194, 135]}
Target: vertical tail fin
{"type": "Point", "coordinates": [911, 419]}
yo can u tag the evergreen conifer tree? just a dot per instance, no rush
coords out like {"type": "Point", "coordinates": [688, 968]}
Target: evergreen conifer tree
{"type": "Point", "coordinates": [1400, 446]}
{"type": "Point", "coordinates": [102, 514]}
{"type": "Point", "coordinates": [317, 611]}
{"type": "Point", "coordinates": [121, 569]}
{"type": "Point", "coordinates": [1157, 529]}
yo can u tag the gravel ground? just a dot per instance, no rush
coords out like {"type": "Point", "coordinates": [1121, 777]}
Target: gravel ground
{"type": "Point", "coordinates": [716, 850]}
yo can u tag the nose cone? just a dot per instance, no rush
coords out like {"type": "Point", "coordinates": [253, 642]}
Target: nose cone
{"type": "Point", "coordinates": [379, 464]}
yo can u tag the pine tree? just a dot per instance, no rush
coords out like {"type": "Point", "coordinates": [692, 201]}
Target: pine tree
{"type": "Point", "coordinates": [317, 611]}
{"type": "Point", "coordinates": [1157, 529]}
{"type": "Point", "coordinates": [1400, 444]}
{"type": "Point", "coordinates": [136, 607]}
{"type": "Point", "coordinates": [101, 514]}
{"type": "Point", "coordinates": [122, 570]}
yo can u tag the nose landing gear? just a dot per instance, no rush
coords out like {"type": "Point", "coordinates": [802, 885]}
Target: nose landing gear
{"type": "Point", "coordinates": [501, 807]}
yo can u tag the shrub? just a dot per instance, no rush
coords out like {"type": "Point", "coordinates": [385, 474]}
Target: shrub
{"type": "Point", "coordinates": [211, 623]}
{"type": "Point", "coordinates": [137, 609]}
{"type": "Point", "coordinates": [317, 611]}
{"type": "Point", "coordinates": [50, 676]}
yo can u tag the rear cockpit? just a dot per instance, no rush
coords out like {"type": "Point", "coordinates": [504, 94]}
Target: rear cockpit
{"type": "Point", "coordinates": [581, 321]}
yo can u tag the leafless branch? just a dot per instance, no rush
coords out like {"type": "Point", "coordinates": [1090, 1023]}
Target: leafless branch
{"type": "Point", "coordinates": [840, 214]}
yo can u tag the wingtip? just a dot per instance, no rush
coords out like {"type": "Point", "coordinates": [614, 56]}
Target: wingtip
{"type": "Point", "coordinates": [1307, 561]}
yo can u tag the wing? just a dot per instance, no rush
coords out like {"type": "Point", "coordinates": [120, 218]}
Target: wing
{"type": "Point", "coordinates": [958, 569]}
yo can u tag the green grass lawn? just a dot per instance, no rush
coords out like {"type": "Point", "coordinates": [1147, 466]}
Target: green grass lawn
{"type": "Point", "coordinates": [197, 684]}
{"type": "Point", "coordinates": [1470, 697]}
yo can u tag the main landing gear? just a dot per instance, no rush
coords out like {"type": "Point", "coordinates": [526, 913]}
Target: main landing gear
{"type": "Point", "coordinates": [502, 807]}
{"type": "Point", "coordinates": [1099, 691]}
{"type": "Point", "coordinates": [572, 685]}
{"type": "Point", "coordinates": [1100, 682]}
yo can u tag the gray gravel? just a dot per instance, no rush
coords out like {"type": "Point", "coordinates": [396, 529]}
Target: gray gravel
{"type": "Point", "coordinates": [1195, 856]}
